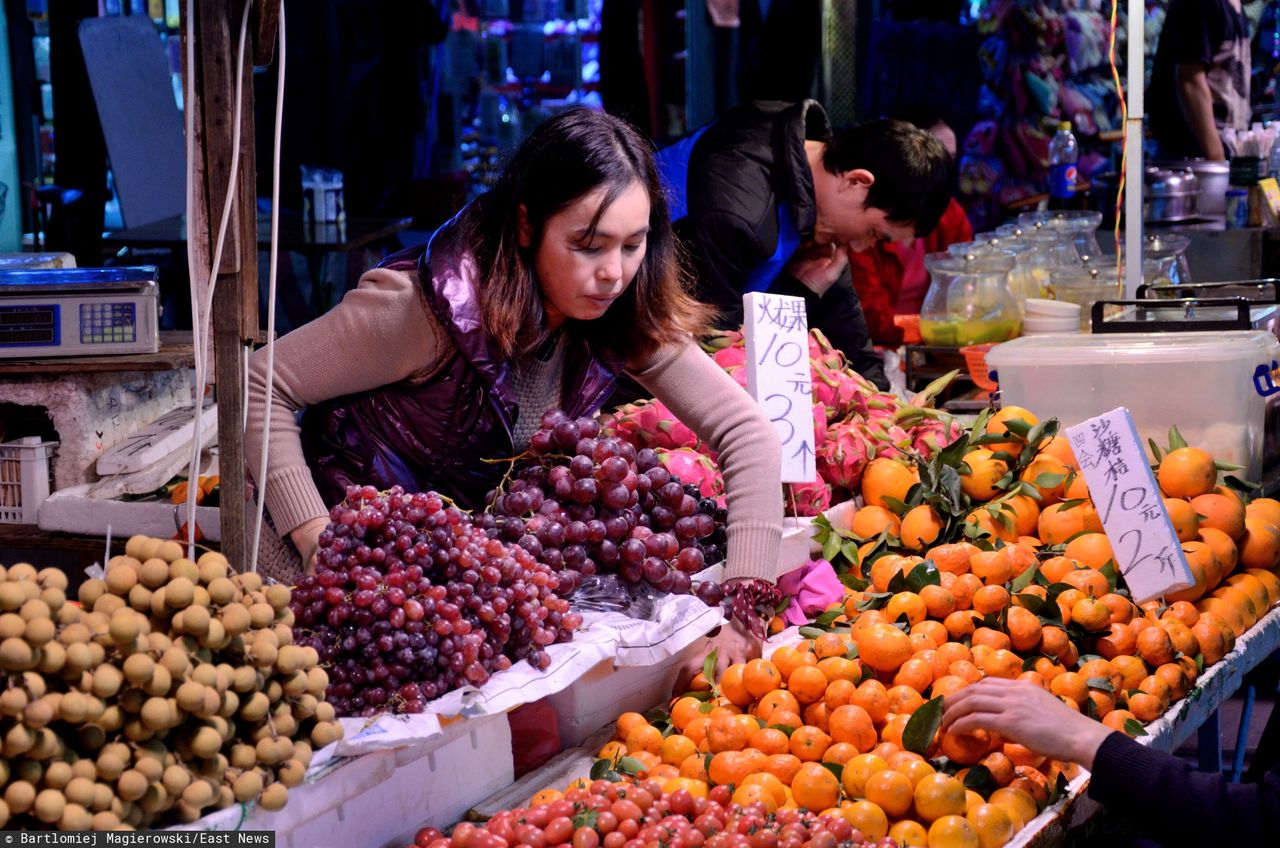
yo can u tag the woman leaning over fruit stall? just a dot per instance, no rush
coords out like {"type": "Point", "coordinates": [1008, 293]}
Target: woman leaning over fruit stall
{"type": "Point", "coordinates": [534, 297]}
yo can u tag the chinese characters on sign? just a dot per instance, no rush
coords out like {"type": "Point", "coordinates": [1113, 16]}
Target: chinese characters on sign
{"type": "Point", "coordinates": [778, 377]}
{"type": "Point", "coordinates": [1130, 505]}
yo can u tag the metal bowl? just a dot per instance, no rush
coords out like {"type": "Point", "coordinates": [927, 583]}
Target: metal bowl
{"type": "Point", "coordinates": [1171, 195]}
{"type": "Point", "coordinates": [1214, 177]}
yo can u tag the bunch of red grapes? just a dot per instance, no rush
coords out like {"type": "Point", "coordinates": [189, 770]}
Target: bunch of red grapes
{"type": "Point", "coordinates": [590, 504]}
{"type": "Point", "coordinates": [411, 600]}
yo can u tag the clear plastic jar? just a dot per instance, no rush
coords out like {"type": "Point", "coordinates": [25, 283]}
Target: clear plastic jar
{"type": "Point", "coordinates": [1164, 260]}
{"type": "Point", "coordinates": [1084, 286]}
{"type": "Point", "coordinates": [1080, 225]}
{"type": "Point", "coordinates": [969, 300]}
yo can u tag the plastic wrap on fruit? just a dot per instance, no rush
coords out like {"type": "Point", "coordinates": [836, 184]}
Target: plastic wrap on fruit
{"type": "Point", "coordinates": [609, 593]}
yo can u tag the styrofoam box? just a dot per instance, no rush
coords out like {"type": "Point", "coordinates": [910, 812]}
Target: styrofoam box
{"type": "Point", "coordinates": [318, 799]}
{"type": "Point", "coordinates": [383, 798]}
{"type": "Point", "coordinates": [1201, 382]}
{"type": "Point", "coordinates": [70, 511]}
{"type": "Point", "coordinates": [433, 784]}
{"type": "Point", "coordinates": [605, 692]}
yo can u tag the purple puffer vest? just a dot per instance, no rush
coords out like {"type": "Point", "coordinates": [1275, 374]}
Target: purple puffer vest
{"type": "Point", "coordinates": [433, 434]}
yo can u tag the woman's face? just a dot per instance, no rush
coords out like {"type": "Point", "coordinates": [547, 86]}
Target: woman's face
{"type": "Point", "coordinates": [581, 273]}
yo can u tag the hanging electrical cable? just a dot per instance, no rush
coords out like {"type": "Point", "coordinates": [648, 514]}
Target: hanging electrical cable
{"type": "Point", "coordinates": [1124, 149]}
{"type": "Point", "coordinates": [273, 261]}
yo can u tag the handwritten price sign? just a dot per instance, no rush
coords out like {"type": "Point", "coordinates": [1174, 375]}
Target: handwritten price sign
{"type": "Point", "coordinates": [1148, 553]}
{"type": "Point", "coordinates": [778, 377]}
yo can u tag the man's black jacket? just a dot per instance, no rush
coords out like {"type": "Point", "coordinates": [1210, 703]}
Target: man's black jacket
{"type": "Point", "coordinates": [746, 162]}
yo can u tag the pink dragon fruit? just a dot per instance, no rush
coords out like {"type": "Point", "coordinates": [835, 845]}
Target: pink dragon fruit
{"type": "Point", "coordinates": [693, 468]}
{"type": "Point", "coordinates": [851, 393]}
{"type": "Point", "coordinates": [721, 339]}
{"type": "Point", "coordinates": [844, 454]}
{"type": "Point", "coordinates": [806, 498]}
{"type": "Point", "coordinates": [819, 423]}
{"type": "Point", "coordinates": [824, 389]}
{"type": "Point", "coordinates": [821, 350]}
{"type": "Point", "coordinates": [738, 373]}
{"type": "Point", "coordinates": [649, 424]}
{"type": "Point", "coordinates": [730, 356]}
{"type": "Point", "coordinates": [932, 435]}
{"type": "Point", "coordinates": [890, 440]}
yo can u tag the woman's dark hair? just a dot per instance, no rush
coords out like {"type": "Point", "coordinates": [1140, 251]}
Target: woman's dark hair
{"type": "Point", "coordinates": [913, 172]}
{"type": "Point", "coordinates": [564, 159]}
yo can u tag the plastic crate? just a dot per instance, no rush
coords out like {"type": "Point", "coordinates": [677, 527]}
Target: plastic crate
{"type": "Point", "coordinates": [24, 479]}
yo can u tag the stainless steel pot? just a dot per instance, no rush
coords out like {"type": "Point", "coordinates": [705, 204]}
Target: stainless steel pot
{"type": "Point", "coordinates": [1214, 179]}
{"type": "Point", "coordinates": [1171, 195]}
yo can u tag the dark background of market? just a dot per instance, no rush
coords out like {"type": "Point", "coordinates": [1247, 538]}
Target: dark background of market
{"type": "Point", "coordinates": [417, 102]}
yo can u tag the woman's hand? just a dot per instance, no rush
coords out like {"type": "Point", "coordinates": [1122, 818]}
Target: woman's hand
{"type": "Point", "coordinates": [1024, 713]}
{"type": "Point", "coordinates": [306, 538]}
{"type": "Point", "coordinates": [733, 644]}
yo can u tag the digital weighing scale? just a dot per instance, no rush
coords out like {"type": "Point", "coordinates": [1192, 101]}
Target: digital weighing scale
{"type": "Point", "coordinates": [78, 312]}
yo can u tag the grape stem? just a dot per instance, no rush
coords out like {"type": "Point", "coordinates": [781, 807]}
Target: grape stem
{"type": "Point", "coordinates": [511, 470]}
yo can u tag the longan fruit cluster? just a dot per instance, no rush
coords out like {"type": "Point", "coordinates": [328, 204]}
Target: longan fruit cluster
{"type": "Point", "coordinates": [173, 688]}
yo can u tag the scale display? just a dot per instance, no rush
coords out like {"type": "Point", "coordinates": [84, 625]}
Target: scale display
{"type": "Point", "coordinates": [29, 325]}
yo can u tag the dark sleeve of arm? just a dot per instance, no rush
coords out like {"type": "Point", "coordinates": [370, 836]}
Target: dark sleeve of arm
{"type": "Point", "coordinates": [1179, 805]}
{"type": "Point", "coordinates": [723, 250]}
{"type": "Point", "coordinates": [1196, 29]}
{"type": "Point", "coordinates": [838, 314]}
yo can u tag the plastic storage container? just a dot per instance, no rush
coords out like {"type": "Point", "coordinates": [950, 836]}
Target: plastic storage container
{"type": "Point", "coordinates": [1204, 383]}
{"type": "Point", "coordinates": [24, 479]}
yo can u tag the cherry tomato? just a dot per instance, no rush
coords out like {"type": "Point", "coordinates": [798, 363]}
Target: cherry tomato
{"type": "Point", "coordinates": [614, 840]}
{"type": "Point", "coordinates": [585, 837]}
{"type": "Point", "coordinates": [501, 826]}
{"type": "Point", "coordinates": [625, 808]}
{"type": "Point", "coordinates": [606, 822]}
{"type": "Point", "coordinates": [531, 835]}
{"type": "Point", "coordinates": [559, 830]}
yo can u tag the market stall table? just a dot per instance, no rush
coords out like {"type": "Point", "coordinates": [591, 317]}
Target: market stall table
{"type": "Point", "coordinates": [297, 235]}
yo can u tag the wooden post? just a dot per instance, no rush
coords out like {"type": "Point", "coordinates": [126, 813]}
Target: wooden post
{"type": "Point", "coordinates": [235, 303]}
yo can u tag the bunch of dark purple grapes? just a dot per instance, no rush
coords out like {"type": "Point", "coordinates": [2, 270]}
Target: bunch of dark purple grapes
{"type": "Point", "coordinates": [590, 505]}
{"type": "Point", "coordinates": [411, 600]}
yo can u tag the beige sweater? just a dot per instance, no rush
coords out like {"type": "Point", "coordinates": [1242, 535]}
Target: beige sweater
{"type": "Point", "coordinates": [382, 332]}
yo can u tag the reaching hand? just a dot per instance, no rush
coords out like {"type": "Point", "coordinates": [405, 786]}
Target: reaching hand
{"type": "Point", "coordinates": [306, 538]}
{"type": "Point", "coordinates": [1026, 714]}
{"type": "Point", "coordinates": [733, 644]}
{"type": "Point", "coordinates": [818, 266]}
